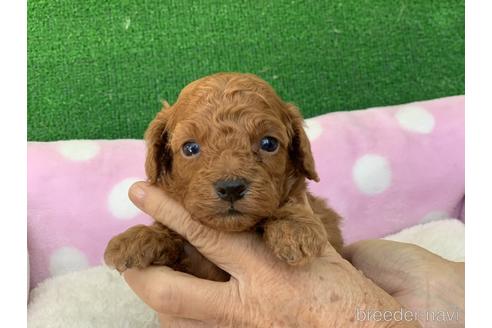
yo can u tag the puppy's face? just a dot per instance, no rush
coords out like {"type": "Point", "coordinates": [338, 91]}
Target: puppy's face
{"type": "Point", "coordinates": [229, 150]}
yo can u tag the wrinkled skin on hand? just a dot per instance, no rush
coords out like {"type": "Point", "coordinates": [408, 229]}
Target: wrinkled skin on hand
{"type": "Point", "coordinates": [418, 279]}
{"type": "Point", "coordinates": [262, 291]}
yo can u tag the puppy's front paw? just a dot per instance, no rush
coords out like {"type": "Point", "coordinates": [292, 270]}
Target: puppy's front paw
{"type": "Point", "coordinates": [142, 246]}
{"type": "Point", "coordinates": [294, 242]}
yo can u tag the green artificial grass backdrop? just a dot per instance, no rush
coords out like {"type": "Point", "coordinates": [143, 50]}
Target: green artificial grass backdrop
{"type": "Point", "coordinates": [100, 69]}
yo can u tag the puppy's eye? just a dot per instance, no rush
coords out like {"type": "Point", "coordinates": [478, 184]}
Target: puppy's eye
{"type": "Point", "coordinates": [190, 149]}
{"type": "Point", "coordinates": [269, 144]}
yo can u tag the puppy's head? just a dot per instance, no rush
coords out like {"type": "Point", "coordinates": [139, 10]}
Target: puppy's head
{"type": "Point", "coordinates": [230, 150]}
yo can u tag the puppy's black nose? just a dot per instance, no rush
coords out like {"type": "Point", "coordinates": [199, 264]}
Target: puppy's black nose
{"type": "Point", "coordinates": [231, 190]}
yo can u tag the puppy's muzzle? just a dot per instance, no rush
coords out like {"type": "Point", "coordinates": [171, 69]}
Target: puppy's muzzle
{"type": "Point", "coordinates": [231, 190]}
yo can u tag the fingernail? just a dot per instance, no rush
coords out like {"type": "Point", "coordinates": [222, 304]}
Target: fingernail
{"type": "Point", "coordinates": [137, 191]}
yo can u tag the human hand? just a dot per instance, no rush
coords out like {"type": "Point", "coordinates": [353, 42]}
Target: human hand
{"type": "Point", "coordinates": [421, 281]}
{"type": "Point", "coordinates": [262, 291]}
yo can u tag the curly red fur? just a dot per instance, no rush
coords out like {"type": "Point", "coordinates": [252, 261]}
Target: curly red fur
{"type": "Point", "coordinates": [228, 114]}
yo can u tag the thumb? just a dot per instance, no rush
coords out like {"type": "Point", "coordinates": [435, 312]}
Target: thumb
{"type": "Point", "coordinates": [178, 294]}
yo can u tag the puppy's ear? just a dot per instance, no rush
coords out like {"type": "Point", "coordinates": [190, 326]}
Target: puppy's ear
{"type": "Point", "coordinates": [300, 148]}
{"type": "Point", "coordinates": [159, 156]}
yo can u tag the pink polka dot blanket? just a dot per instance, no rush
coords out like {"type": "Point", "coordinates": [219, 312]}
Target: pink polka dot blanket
{"type": "Point", "coordinates": [382, 169]}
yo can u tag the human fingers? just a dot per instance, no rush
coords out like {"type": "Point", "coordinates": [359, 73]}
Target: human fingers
{"type": "Point", "coordinates": [391, 265]}
{"type": "Point", "coordinates": [178, 294]}
{"type": "Point", "coordinates": [167, 321]}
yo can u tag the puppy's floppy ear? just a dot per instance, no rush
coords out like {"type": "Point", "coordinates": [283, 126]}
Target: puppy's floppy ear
{"type": "Point", "coordinates": [300, 148]}
{"type": "Point", "coordinates": [159, 156]}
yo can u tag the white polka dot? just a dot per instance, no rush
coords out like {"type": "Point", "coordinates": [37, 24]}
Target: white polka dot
{"type": "Point", "coordinates": [67, 259]}
{"type": "Point", "coordinates": [118, 202]}
{"type": "Point", "coordinates": [372, 174]}
{"type": "Point", "coordinates": [313, 129]}
{"type": "Point", "coordinates": [415, 119]}
{"type": "Point", "coordinates": [78, 150]}
{"type": "Point", "coordinates": [434, 216]}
